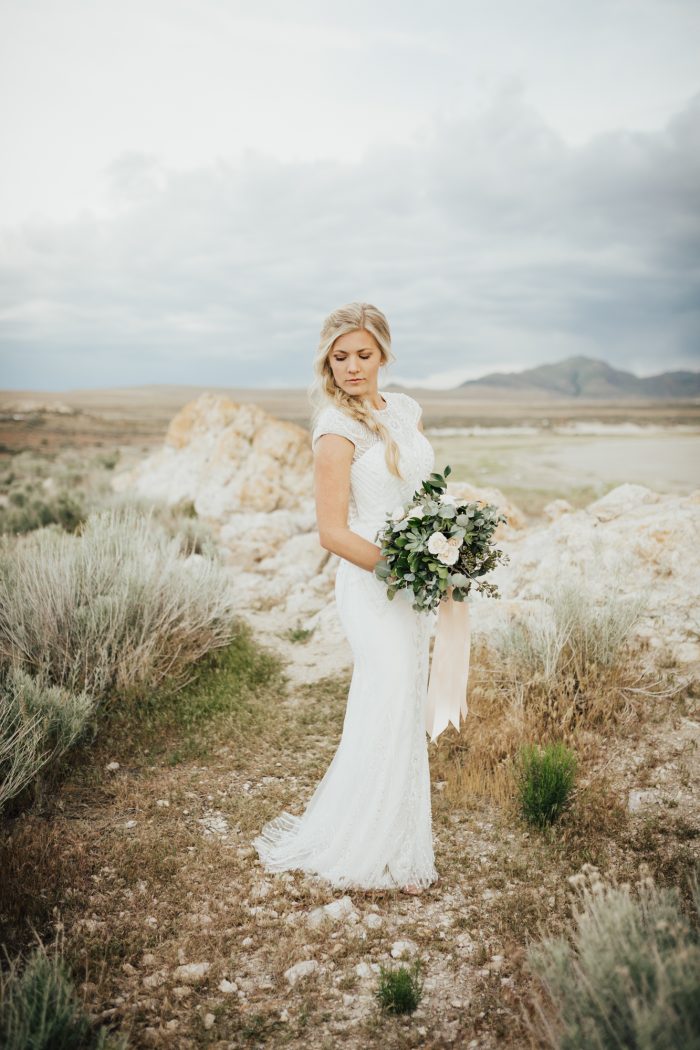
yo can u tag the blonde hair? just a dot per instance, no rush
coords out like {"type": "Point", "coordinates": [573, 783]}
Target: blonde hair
{"type": "Point", "coordinates": [324, 390]}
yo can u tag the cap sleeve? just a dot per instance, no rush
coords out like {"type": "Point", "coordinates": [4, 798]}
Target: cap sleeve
{"type": "Point", "coordinates": [413, 408]}
{"type": "Point", "coordinates": [333, 421]}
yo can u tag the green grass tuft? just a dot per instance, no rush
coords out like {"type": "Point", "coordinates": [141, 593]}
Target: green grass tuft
{"type": "Point", "coordinates": [39, 1009]}
{"type": "Point", "coordinates": [545, 781]}
{"type": "Point", "coordinates": [400, 990]}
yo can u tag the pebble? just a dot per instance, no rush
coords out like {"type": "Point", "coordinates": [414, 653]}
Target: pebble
{"type": "Point", "coordinates": [192, 973]}
{"type": "Point", "coordinates": [300, 969]}
{"type": "Point", "coordinates": [400, 948]}
{"type": "Point", "coordinates": [340, 909]}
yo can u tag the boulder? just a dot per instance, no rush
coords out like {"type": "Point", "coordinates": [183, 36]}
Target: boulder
{"type": "Point", "coordinates": [228, 458]}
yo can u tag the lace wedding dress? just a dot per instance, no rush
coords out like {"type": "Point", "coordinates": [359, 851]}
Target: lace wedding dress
{"type": "Point", "coordinates": [368, 823]}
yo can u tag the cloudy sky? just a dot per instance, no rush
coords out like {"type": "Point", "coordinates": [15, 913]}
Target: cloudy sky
{"type": "Point", "coordinates": [187, 189]}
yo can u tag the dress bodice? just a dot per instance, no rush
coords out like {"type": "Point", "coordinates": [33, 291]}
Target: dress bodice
{"type": "Point", "coordinates": [374, 491]}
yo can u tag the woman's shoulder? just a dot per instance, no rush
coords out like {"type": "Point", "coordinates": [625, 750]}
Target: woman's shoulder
{"type": "Point", "coordinates": [408, 404]}
{"type": "Point", "coordinates": [332, 420]}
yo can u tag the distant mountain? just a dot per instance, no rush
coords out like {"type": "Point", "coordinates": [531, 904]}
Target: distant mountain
{"type": "Point", "coordinates": [586, 377]}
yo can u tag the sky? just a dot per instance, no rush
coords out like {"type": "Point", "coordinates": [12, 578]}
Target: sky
{"type": "Point", "coordinates": [188, 189]}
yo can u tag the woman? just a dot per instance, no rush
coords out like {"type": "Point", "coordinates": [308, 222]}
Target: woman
{"type": "Point", "coordinates": [368, 823]}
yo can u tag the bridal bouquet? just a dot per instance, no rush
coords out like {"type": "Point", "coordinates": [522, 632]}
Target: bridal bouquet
{"type": "Point", "coordinates": [436, 542]}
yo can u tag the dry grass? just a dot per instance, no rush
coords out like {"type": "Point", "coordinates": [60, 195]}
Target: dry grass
{"type": "Point", "coordinates": [149, 866]}
{"type": "Point", "coordinates": [137, 901]}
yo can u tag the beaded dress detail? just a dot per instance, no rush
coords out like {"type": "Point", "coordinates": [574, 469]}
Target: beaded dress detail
{"type": "Point", "coordinates": [368, 823]}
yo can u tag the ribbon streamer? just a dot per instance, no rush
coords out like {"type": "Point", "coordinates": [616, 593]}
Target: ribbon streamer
{"type": "Point", "coordinates": [449, 671]}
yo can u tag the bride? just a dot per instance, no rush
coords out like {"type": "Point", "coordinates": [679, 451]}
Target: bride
{"type": "Point", "coordinates": [368, 822]}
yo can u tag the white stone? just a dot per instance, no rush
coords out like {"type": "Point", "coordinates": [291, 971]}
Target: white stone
{"type": "Point", "coordinates": [192, 973]}
{"type": "Point", "coordinates": [342, 909]}
{"type": "Point", "coordinates": [366, 970]}
{"type": "Point", "coordinates": [154, 980]}
{"type": "Point", "coordinates": [402, 948]}
{"type": "Point", "coordinates": [227, 987]}
{"type": "Point", "coordinates": [300, 969]}
{"type": "Point", "coordinates": [638, 798]}
{"type": "Point", "coordinates": [214, 825]}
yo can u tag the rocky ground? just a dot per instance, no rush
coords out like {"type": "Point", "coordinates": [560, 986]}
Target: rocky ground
{"type": "Point", "coordinates": [185, 941]}
{"type": "Point", "coordinates": [142, 855]}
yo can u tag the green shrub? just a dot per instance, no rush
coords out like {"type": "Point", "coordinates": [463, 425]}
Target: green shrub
{"type": "Point", "coordinates": [28, 510]}
{"type": "Point", "coordinates": [400, 990]}
{"type": "Point", "coordinates": [39, 1009]}
{"type": "Point", "coordinates": [38, 723]}
{"type": "Point", "coordinates": [545, 780]}
{"type": "Point", "coordinates": [628, 974]}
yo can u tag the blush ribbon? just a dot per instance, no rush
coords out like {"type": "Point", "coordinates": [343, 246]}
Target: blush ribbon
{"type": "Point", "coordinates": [449, 670]}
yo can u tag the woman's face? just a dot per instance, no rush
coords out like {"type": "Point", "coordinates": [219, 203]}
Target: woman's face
{"type": "Point", "coordinates": [355, 359]}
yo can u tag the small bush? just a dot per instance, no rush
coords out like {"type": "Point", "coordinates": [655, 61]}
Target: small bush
{"type": "Point", "coordinates": [545, 781]}
{"type": "Point", "coordinates": [41, 490]}
{"type": "Point", "coordinates": [400, 990]}
{"type": "Point", "coordinates": [28, 510]}
{"type": "Point", "coordinates": [571, 659]}
{"type": "Point", "coordinates": [628, 975]}
{"type": "Point", "coordinates": [112, 608]}
{"type": "Point", "coordinates": [39, 1009]}
{"type": "Point", "coordinates": [38, 723]}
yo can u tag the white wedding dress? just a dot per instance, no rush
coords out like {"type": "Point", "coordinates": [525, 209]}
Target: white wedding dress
{"type": "Point", "coordinates": [368, 823]}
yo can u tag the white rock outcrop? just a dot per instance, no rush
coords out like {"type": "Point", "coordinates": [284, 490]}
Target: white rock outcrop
{"type": "Point", "coordinates": [638, 541]}
{"type": "Point", "coordinates": [228, 458]}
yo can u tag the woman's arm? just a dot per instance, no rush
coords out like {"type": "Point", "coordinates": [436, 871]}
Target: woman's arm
{"type": "Point", "coordinates": [332, 462]}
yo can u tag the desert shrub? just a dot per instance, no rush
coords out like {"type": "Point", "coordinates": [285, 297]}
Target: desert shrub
{"type": "Point", "coordinates": [400, 990]}
{"type": "Point", "coordinates": [26, 509]}
{"type": "Point", "coordinates": [545, 779]}
{"type": "Point", "coordinates": [568, 668]}
{"type": "Point", "coordinates": [110, 609]}
{"type": "Point", "coordinates": [46, 490]}
{"type": "Point", "coordinates": [627, 974]}
{"type": "Point", "coordinates": [571, 656]}
{"type": "Point", "coordinates": [178, 520]}
{"type": "Point", "coordinates": [38, 723]}
{"type": "Point", "coordinates": [65, 488]}
{"type": "Point", "coordinates": [39, 1008]}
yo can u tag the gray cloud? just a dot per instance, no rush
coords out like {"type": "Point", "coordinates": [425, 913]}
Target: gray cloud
{"type": "Point", "coordinates": [488, 242]}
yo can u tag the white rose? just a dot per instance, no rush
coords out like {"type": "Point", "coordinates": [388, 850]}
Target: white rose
{"type": "Point", "coordinates": [449, 498]}
{"type": "Point", "coordinates": [397, 514]}
{"type": "Point", "coordinates": [449, 555]}
{"type": "Point", "coordinates": [437, 542]}
{"type": "Point", "coordinates": [455, 541]}
{"type": "Point", "coordinates": [415, 512]}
